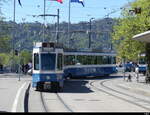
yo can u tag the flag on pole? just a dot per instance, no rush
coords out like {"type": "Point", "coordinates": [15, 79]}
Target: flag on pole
{"type": "Point", "coordinates": [79, 1]}
{"type": "Point", "coordinates": [60, 1]}
{"type": "Point", "coordinates": [19, 3]}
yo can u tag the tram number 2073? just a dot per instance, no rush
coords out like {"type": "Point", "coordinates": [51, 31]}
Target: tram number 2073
{"type": "Point", "coordinates": [47, 67]}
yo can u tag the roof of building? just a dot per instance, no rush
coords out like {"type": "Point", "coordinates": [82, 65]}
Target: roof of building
{"type": "Point", "coordinates": [143, 37]}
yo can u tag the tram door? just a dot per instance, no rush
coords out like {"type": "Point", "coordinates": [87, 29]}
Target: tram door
{"type": "Point", "coordinates": [60, 62]}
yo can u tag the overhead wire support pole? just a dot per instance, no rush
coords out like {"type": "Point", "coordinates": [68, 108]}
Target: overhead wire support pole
{"type": "Point", "coordinates": [69, 21]}
{"type": "Point", "coordinates": [13, 45]}
{"type": "Point", "coordinates": [57, 25]}
{"type": "Point", "coordinates": [90, 35]}
{"type": "Point", "coordinates": [44, 20]}
{"type": "Point", "coordinates": [57, 37]}
{"type": "Point", "coordinates": [90, 32]}
{"type": "Point", "coordinates": [14, 11]}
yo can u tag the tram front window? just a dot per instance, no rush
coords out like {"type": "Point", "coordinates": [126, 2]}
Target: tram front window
{"type": "Point", "coordinates": [48, 61]}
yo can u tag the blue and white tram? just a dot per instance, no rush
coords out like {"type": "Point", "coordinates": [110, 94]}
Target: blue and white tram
{"type": "Point", "coordinates": [142, 65]}
{"type": "Point", "coordinates": [47, 66]}
{"type": "Point", "coordinates": [88, 64]}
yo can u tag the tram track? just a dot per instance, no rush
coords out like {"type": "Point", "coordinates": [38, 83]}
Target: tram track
{"type": "Point", "coordinates": [48, 109]}
{"type": "Point", "coordinates": [43, 102]}
{"type": "Point", "coordinates": [130, 99]}
{"type": "Point", "coordinates": [62, 101]}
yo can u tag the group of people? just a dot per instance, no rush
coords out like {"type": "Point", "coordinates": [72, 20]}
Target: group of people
{"type": "Point", "coordinates": [25, 68]}
{"type": "Point", "coordinates": [131, 66]}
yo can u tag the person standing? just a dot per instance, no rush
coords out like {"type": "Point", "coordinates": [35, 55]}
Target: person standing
{"type": "Point", "coordinates": [137, 73]}
{"type": "Point", "coordinates": [30, 65]}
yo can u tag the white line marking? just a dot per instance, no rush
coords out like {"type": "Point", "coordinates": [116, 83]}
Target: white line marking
{"type": "Point", "coordinates": [14, 107]}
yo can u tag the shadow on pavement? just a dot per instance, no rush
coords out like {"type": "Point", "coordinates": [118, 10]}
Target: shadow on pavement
{"type": "Point", "coordinates": [3, 112]}
{"type": "Point", "coordinates": [78, 85]}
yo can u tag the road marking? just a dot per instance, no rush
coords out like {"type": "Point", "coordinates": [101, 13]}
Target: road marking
{"type": "Point", "coordinates": [14, 107]}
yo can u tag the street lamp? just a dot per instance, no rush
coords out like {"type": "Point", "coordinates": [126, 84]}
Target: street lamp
{"type": "Point", "coordinates": [90, 32]}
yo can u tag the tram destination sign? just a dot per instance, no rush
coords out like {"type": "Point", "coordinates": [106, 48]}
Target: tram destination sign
{"type": "Point", "coordinates": [48, 49]}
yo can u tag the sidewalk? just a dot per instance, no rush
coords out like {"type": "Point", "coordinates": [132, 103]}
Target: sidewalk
{"type": "Point", "coordinates": [13, 75]}
{"type": "Point", "coordinates": [139, 87]}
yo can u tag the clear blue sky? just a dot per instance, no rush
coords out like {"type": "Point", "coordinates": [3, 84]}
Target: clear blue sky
{"type": "Point", "coordinates": [93, 8]}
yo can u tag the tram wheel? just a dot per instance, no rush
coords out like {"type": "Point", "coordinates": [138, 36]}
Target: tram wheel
{"type": "Point", "coordinates": [106, 75]}
{"type": "Point", "coordinates": [55, 86]}
{"type": "Point", "coordinates": [60, 89]}
{"type": "Point", "coordinates": [39, 86]}
{"type": "Point", "coordinates": [69, 76]}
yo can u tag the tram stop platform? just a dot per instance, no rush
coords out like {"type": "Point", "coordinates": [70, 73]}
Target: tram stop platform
{"type": "Point", "coordinates": [139, 87]}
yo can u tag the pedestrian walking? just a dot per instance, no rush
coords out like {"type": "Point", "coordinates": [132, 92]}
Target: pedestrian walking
{"type": "Point", "coordinates": [137, 73]}
{"type": "Point", "coordinates": [129, 78]}
{"type": "Point", "coordinates": [22, 68]}
{"type": "Point", "coordinates": [30, 65]}
{"type": "Point", "coordinates": [26, 68]}
{"type": "Point", "coordinates": [147, 77]}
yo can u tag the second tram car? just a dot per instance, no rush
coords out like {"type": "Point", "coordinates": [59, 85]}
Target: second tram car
{"type": "Point", "coordinates": [47, 66]}
{"type": "Point", "coordinates": [88, 64]}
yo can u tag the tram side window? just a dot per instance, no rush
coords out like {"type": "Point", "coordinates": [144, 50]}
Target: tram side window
{"type": "Point", "coordinates": [36, 61]}
{"type": "Point", "coordinates": [70, 60]}
{"type": "Point", "coordinates": [105, 59]}
{"type": "Point", "coordinates": [60, 61]}
{"type": "Point", "coordinates": [84, 60]}
{"type": "Point", "coordinates": [109, 60]}
{"type": "Point", "coordinates": [99, 60]}
{"type": "Point", "coordinates": [89, 59]}
{"type": "Point", "coordinates": [114, 60]}
{"type": "Point", "coordinates": [94, 61]}
{"type": "Point", "coordinates": [80, 59]}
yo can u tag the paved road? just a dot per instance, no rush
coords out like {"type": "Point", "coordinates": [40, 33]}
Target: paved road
{"type": "Point", "coordinates": [111, 94]}
{"type": "Point", "coordinates": [12, 92]}
{"type": "Point", "coordinates": [89, 95]}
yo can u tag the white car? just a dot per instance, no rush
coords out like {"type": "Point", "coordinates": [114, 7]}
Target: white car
{"type": "Point", "coordinates": [30, 71]}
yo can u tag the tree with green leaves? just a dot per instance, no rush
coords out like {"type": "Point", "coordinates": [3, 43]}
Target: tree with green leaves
{"type": "Point", "coordinates": [25, 57]}
{"type": "Point", "coordinates": [130, 24]}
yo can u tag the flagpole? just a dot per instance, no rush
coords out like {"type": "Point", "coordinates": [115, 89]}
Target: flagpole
{"type": "Point", "coordinates": [44, 21]}
{"type": "Point", "coordinates": [13, 49]}
{"type": "Point", "coordinates": [69, 23]}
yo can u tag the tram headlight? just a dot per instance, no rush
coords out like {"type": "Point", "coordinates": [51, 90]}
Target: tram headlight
{"type": "Point", "coordinates": [48, 77]}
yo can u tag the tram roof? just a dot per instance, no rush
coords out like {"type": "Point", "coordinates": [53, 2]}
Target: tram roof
{"type": "Point", "coordinates": [90, 53]}
{"type": "Point", "coordinates": [143, 37]}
